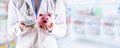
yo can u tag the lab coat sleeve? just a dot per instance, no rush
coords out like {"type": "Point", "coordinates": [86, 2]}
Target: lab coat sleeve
{"type": "Point", "coordinates": [12, 25]}
{"type": "Point", "coordinates": [59, 28]}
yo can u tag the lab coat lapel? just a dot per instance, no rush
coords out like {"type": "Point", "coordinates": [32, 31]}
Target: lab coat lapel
{"type": "Point", "coordinates": [47, 4]}
{"type": "Point", "coordinates": [42, 7]}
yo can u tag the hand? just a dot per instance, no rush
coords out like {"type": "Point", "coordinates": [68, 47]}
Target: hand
{"type": "Point", "coordinates": [23, 27]}
{"type": "Point", "coordinates": [45, 27]}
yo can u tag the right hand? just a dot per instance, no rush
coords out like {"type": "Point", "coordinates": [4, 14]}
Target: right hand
{"type": "Point", "coordinates": [23, 27]}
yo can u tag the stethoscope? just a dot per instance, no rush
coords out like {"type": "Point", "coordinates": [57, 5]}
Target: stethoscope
{"type": "Point", "coordinates": [29, 11]}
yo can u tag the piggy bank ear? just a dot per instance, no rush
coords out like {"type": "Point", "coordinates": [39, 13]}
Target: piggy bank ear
{"type": "Point", "coordinates": [49, 15]}
{"type": "Point", "coordinates": [40, 14]}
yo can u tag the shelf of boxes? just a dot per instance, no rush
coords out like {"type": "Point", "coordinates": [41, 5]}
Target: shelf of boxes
{"type": "Point", "coordinates": [96, 21]}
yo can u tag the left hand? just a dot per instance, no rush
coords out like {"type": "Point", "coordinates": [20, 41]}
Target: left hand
{"type": "Point", "coordinates": [49, 28]}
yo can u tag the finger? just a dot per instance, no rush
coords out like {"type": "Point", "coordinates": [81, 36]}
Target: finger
{"type": "Point", "coordinates": [28, 28]}
{"type": "Point", "coordinates": [48, 27]}
{"type": "Point", "coordinates": [51, 25]}
{"type": "Point", "coordinates": [22, 26]}
{"type": "Point", "coordinates": [45, 27]}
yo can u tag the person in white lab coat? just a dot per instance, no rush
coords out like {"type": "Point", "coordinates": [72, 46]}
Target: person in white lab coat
{"type": "Point", "coordinates": [28, 37]}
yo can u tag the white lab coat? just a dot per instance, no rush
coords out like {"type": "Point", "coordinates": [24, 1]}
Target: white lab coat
{"type": "Point", "coordinates": [36, 38]}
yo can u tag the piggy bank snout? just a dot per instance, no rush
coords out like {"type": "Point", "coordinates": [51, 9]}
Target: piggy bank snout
{"type": "Point", "coordinates": [44, 21]}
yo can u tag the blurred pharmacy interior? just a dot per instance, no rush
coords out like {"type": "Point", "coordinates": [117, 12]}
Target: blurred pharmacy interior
{"type": "Point", "coordinates": [91, 24]}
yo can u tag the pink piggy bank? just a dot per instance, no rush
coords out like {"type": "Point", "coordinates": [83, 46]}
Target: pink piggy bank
{"type": "Point", "coordinates": [44, 19]}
